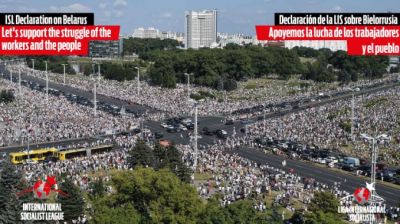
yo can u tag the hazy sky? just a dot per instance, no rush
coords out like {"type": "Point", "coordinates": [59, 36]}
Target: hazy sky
{"type": "Point", "coordinates": [235, 16]}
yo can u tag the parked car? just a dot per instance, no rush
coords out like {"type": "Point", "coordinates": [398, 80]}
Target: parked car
{"type": "Point", "coordinates": [229, 122]}
{"type": "Point", "coordinates": [221, 133]}
{"type": "Point", "coordinates": [158, 135]}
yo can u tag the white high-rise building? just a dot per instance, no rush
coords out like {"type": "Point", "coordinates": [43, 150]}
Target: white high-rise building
{"type": "Point", "coordinates": [200, 28]}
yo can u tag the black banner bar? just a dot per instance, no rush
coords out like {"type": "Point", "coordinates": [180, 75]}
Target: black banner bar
{"type": "Point", "coordinates": [343, 19]}
{"type": "Point", "coordinates": [46, 19]}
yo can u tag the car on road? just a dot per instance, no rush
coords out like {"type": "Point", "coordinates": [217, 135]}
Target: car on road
{"type": "Point", "coordinates": [158, 135]}
{"type": "Point", "coordinates": [229, 122]}
{"type": "Point", "coordinates": [248, 121]}
{"type": "Point", "coordinates": [221, 134]}
{"type": "Point", "coordinates": [172, 129]}
{"type": "Point", "coordinates": [164, 125]}
{"type": "Point", "coordinates": [332, 159]}
{"type": "Point", "coordinates": [207, 131]}
{"type": "Point", "coordinates": [182, 127]}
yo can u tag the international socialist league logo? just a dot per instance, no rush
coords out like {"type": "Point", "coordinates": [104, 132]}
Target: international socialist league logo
{"type": "Point", "coordinates": [41, 189]}
{"type": "Point", "coordinates": [362, 195]}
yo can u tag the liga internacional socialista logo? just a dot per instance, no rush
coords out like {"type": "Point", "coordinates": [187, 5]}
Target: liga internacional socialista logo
{"type": "Point", "coordinates": [363, 206]}
{"type": "Point", "coordinates": [42, 211]}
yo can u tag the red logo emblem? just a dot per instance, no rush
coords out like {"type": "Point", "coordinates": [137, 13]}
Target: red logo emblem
{"type": "Point", "coordinates": [362, 195]}
{"type": "Point", "coordinates": [41, 189]}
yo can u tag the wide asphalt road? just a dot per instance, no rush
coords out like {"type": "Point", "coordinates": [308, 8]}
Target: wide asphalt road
{"type": "Point", "coordinates": [322, 174]}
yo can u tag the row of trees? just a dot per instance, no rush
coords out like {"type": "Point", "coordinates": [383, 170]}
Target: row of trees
{"type": "Point", "coordinates": [158, 158]}
{"type": "Point", "coordinates": [54, 64]}
{"type": "Point", "coordinates": [113, 70]}
{"type": "Point", "coordinates": [221, 68]}
{"type": "Point", "coordinates": [6, 96]}
{"type": "Point", "coordinates": [339, 66]}
{"type": "Point", "coordinates": [144, 195]}
{"type": "Point", "coordinates": [141, 46]}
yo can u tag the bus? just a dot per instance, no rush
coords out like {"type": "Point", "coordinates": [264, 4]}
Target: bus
{"type": "Point", "coordinates": [54, 154]}
{"type": "Point", "coordinates": [34, 155]}
{"type": "Point", "coordinates": [72, 153]}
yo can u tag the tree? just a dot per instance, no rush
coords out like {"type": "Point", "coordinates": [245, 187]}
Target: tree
{"type": "Point", "coordinates": [242, 211]}
{"type": "Point", "coordinates": [107, 213]}
{"type": "Point", "coordinates": [325, 202]}
{"type": "Point", "coordinates": [171, 158]}
{"type": "Point", "coordinates": [320, 217]}
{"type": "Point", "coordinates": [150, 196]}
{"type": "Point", "coordinates": [98, 188]}
{"type": "Point", "coordinates": [323, 209]}
{"type": "Point", "coordinates": [344, 77]}
{"type": "Point", "coordinates": [142, 46]}
{"type": "Point", "coordinates": [297, 218]}
{"type": "Point", "coordinates": [141, 155]}
{"type": "Point", "coordinates": [54, 63]}
{"type": "Point", "coordinates": [162, 72]}
{"type": "Point", "coordinates": [230, 85]}
{"type": "Point", "coordinates": [6, 96]}
{"type": "Point", "coordinates": [72, 204]}
{"type": "Point", "coordinates": [160, 154]}
{"type": "Point", "coordinates": [10, 184]}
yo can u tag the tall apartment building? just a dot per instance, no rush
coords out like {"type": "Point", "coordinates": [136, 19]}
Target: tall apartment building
{"type": "Point", "coordinates": [200, 28]}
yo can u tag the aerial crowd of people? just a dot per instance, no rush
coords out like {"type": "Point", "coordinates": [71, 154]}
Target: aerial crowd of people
{"type": "Point", "coordinates": [34, 117]}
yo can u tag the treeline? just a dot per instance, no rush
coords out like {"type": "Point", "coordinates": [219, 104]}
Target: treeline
{"type": "Point", "coordinates": [141, 46]}
{"type": "Point", "coordinates": [339, 66]}
{"type": "Point", "coordinates": [114, 70]}
{"type": "Point", "coordinates": [6, 96]}
{"type": "Point", "coordinates": [222, 68]}
{"type": "Point", "coordinates": [54, 64]}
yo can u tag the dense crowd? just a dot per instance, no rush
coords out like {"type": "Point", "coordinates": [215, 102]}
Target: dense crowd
{"type": "Point", "coordinates": [237, 178]}
{"type": "Point", "coordinates": [229, 175]}
{"type": "Point", "coordinates": [329, 126]}
{"type": "Point", "coordinates": [175, 101]}
{"type": "Point", "coordinates": [32, 116]}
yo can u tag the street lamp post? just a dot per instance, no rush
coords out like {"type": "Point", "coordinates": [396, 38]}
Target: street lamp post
{"type": "Point", "coordinates": [64, 72]}
{"type": "Point", "coordinates": [264, 117]}
{"type": "Point", "coordinates": [352, 112]}
{"type": "Point", "coordinates": [138, 80]}
{"type": "Point", "coordinates": [188, 85]}
{"type": "Point", "coordinates": [195, 138]}
{"type": "Point", "coordinates": [374, 156]}
{"type": "Point", "coordinates": [47, 83]}
{"type": "Point", "coordinates": [95, 99]}
{"type": "Point", "coordinates": [98, 65]}
{"type": "Point", "coordinates": [33, 64]}
{"type": "Point", "coordinates": [195, 132]}
{"type": "Point", "coordinates": [19, 80]}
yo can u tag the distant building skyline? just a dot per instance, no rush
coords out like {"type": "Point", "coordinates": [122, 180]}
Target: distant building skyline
{"type": "Point", "coordinates": [333, 45]}
{"type": "Point", "coordinates": [152, 32]}
{"type": "Point", "coordinates": [234, 16]}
